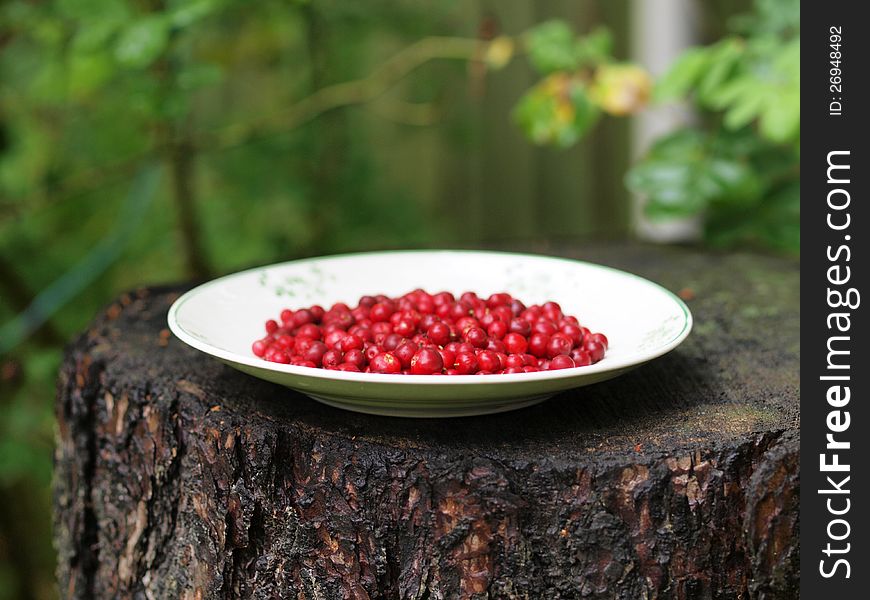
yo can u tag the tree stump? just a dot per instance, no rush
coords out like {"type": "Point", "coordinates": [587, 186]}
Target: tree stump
{"type": "Point", "coordinates": [178, 477]}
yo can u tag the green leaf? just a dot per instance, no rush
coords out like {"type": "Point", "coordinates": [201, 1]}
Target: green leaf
{"type": "Point", "coordinates": [594, 48]}
{"type": "Point", "coordinates": [682, 76]}
{"type": "Point", "coordinates": [557, 111]}
{"type": "Point", "coordinates": [142, 42]}
{"type": "Point", "coordinates": [724, 59]}
{"type": "Point", "coordinates": [189, 12]}
{"type": "Point", "coordinates": [551, 47]}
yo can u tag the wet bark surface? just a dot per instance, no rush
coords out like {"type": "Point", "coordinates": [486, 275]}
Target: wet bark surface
{"type": "Point", "coordinates": [178, 477]}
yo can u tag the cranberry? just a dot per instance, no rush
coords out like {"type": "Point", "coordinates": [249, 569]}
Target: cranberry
{"type": "Point", "coordinates": [439, 333]}
{"type": "Point", "coordinates": [380, 312]}
{"type": "Point", "coordinates": [595, 349]}
{"type": "Point", "coordinates": [349, 367]}
{"type": "Point", "coordinates": [559, 344]}
{"type": "Point", "coordinates": [285, 342]}
{"type": "Point", "coordinates": [405, 352]}
{"type": "Point", "coordinates": [475, 336]}
{"type": "Point", "coordinates": [499, 299]}
{"type": "Point", "coordinates": [271, 326]}
{"type": "Point", "coordinates": [367, 301]}
{"type": "Point", "coordinates": [426, 321]}
{"type": "Point", "coordinates": [512, 370]}
{"type": "Point", "coordinates": [538, 344]}
{"type": "Point", "coordinates": [370, 352]}
{"type": "Point", "coordinates": [287, 317]}
{"type": "Point", "coordinates": [315, 352]}
{"type": "Point", "coordinates": [317, 312]}
{"type": "Point", "coordinates": [405, 328]}
{"type": "Point", "coordinates": [426, 361]}
{"type": "Point", "coordinates": [552, 311]}
{"type": "Point", "coordinates": [544, 326]}
{"type": "Point", "coordinates": [580, 357]}
{"type": "Point", "coordinates": [302, 317]}
{"type": "Point", "coordinates": [488, 360]}
{"type": "Point", "coordinates": [310, 331]}
{"type": "Point", "coordinates": [497, 330]}
{"type": "Point", "coordinates": [355, 357]}
{"type": "Point", "coordinates": [496, 345]}
{"type": "Point", "coordinates": [520, 326]}
{"type": "Point", "coordinates": [281, 358]}
{"type": "Point", "coordinates": [574, 332]}
{"type": "Point", "coordinates": [448, 357]}
{"type": "Point", "coordinates": [443, 298]}
{"type": "Point", "coordinates": [385, 363]}
{"type": "Point", "coordinates": [562, 361]}
{"type": "Point", "coordinates": [601, 339]}
{"type": "Point", "coordinates": [259, 348]}
{"type": "Point", "coordinates": [332, 358]}
{"type": "Point", "coordinates": [333, 337]}
{"type": "Point", "coordinates": [392, 341]}
{"type": "Point", "coordinates": [515, 343]}
{"type": "Point", "coordinates": [351, 342]}
{"type": "Point", "coordinates": [458, 310]}
{"type": "Point", "coordinates": [514, 361]}
{"type": "Point", "coordinates": [466, 363]}
{"type": "Point", "coordinates": [359, 313]}
{"type": "Point", "coordinates": [502, 313]}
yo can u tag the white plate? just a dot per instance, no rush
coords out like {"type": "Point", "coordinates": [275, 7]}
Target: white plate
{"type": "Point", "coordinates": [641, 319]}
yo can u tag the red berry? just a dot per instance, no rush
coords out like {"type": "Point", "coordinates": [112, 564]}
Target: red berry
{"type": "Point", "coordinates": [561, 361]}
{"type": "Point", "coordinates": [595, 349]}
{"type": "Point", "coordinates": [355, 357]}
{"type": "Point", "coordinates": [559, 344]}
{"type": "Point", "coordinates": [580, 357]}
{"type": "Point", "coordinates": [381, 312]}
{"type": "Point", "coordinates": [488, 360]}
{"type": "Point", "coordinates": [448, 357]}
{"type": "Point", "coordinates": [426, 361]}
{"type": "Point", "coordinates": [385, 363]}
{"type": "Point", "coordinates": [573, 332]}
{"type": "Point", "coordinates": [315, 352]}
{"type": "Point", "coordinates": [439, 333]}
{"type": "Point", "coordinates": [496, 345]}
{"type": "Point", "coordinates": [601, 339]}
{"type": "Point", "coordinates": [332, 358]}
{"type": "Point", "coordinates": [302, 317]}
{"type": "Point", "coordinates": [405, 352]}
{"type": "Point", "coordinates": [544, 326]}
{"type": "Point", "coordinates": [349, 367]}
{"type": "Point", "coordinates": [538, 344]}
{"type": "Point", "coordinates": [475, 336]}
{"type": "Point", "coordinates": [515, 343]}
{"type": "Point", "coordinates": [466, 363]}
{"type": "Point", "coordinates": [520, 326]}
{"type": "Point", "coordinates": [514, 361]}
{"type": "Point", "coordinates": [271, 326]}
{"type": "Point", "coordinates": [310, 331]}
{"type": "Point", "coordinates": [259, 348]}
{"type": "Point", "coordinates": [497, 330]}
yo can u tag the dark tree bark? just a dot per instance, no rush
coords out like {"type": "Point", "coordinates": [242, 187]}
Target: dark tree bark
{"type": "Point", "coordinates": [180, 477]}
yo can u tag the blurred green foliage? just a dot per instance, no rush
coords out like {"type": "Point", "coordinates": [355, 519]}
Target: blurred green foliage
{"type": "Point", "coordinates": [581, 80]}
{"type": "Point", "coordinates": [159, 140]}
{"type": "Point", "coordinates": [740, 167]}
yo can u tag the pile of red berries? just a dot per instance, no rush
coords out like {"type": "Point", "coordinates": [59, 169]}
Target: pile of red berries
{"type": "Point", "coordinates": [432, 334]}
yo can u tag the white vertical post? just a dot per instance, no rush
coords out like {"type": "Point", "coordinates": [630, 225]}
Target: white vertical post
{"type": "Point", "coordinates": [660, 31]}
